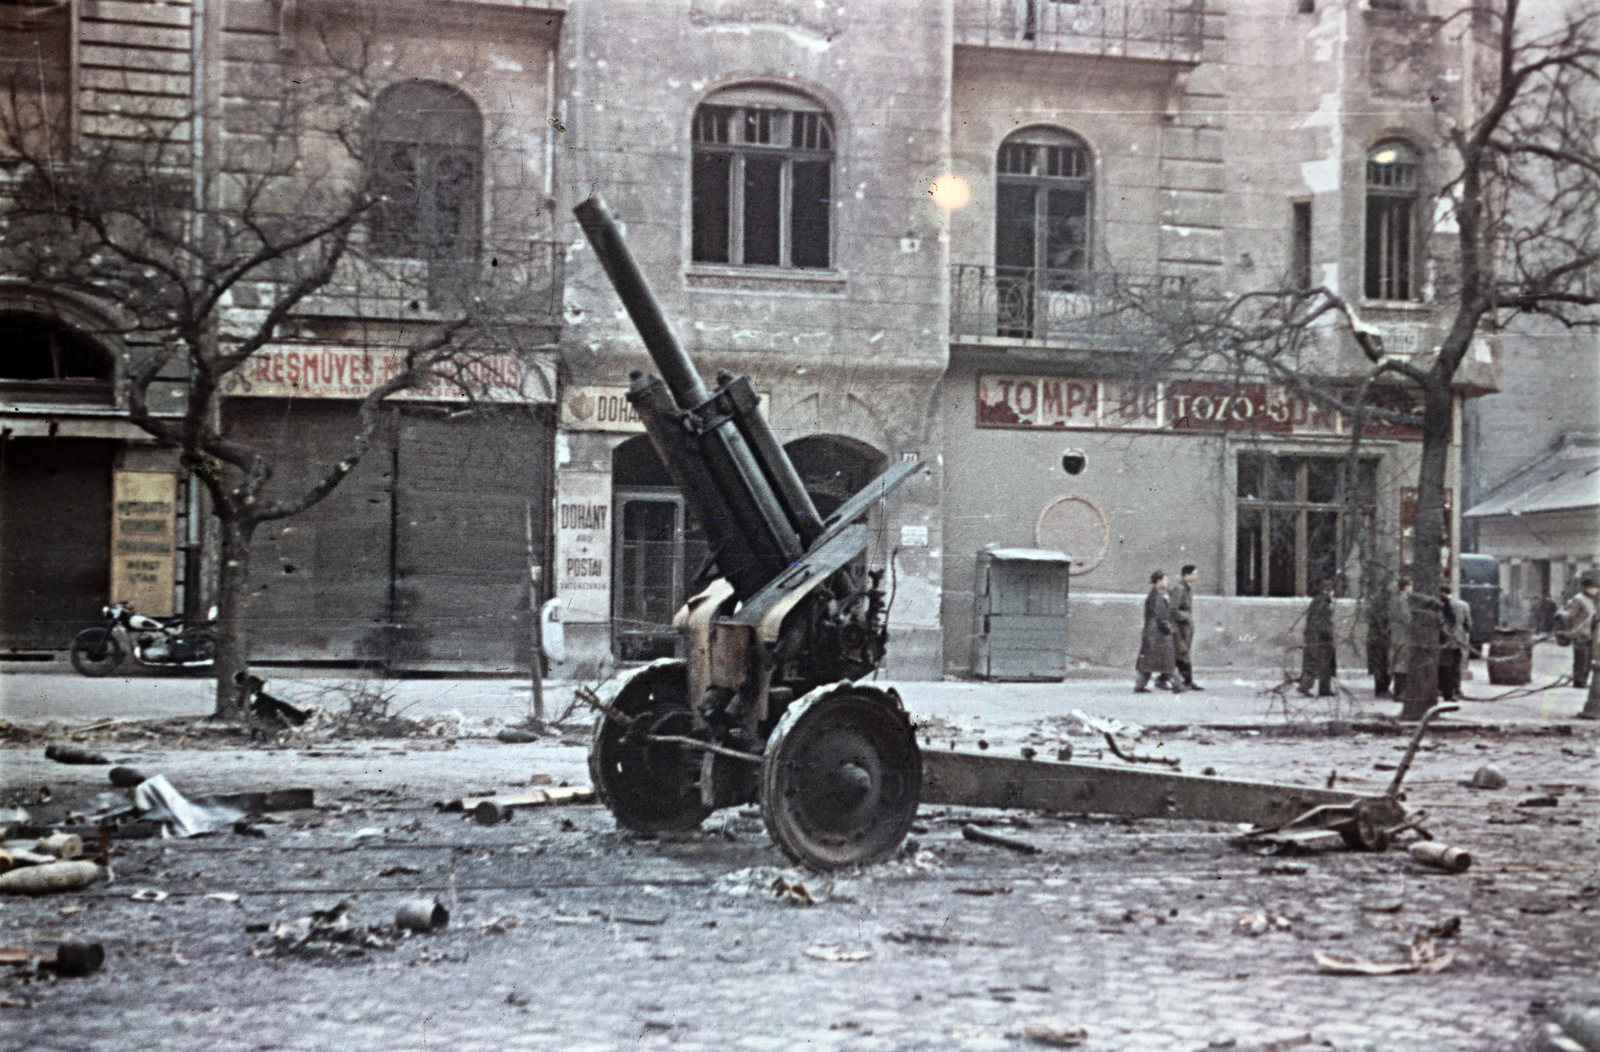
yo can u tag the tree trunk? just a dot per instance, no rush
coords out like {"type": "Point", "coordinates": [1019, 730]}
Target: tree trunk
{"type": "Point", "coordinates": [1427, 543]}
{"type": "Point", "coordinates": [233, 627]}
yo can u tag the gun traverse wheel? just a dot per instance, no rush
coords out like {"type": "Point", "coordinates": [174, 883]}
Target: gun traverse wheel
{"type": "Point", "coordinates": [95, 652]}
{"type": "Point", "coordinates": [841, 779]}
{"type": "Point", "coordinates": [650, 788]}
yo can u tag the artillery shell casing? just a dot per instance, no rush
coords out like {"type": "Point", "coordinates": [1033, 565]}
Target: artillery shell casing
{"type": "Point", "coordinates": [421, 915]}
{"type": "Point", "coordinates": [1441, 856]}
{"type": "Point", "coordinates": [52, 876]}
{"type": "Point", "coordinates": [62, 845]}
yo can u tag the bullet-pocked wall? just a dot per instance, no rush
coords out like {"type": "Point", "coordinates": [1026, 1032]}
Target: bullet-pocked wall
{"type": "Point", "coordinates": [1154, 496]}
{"type": "Point", "coordinates": [770, 166]}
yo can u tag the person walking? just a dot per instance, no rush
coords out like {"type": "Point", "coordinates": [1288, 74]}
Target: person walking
{"type": "Point", "coordinates": [1591, 705]}
{"type": "Point", "coordinates": [1156, 652]}
{"type": "Point", "coordinates": [1319, 662]}
{"type": "Point", "coordinates": [1378, 641]}
{"type": "Point", "coordinates": [1455, 642]}
{"type": "Point", "coordinates": [1581, 618]}
{"type": "Point", "coordinates": [1400, 635]}
{"type": "Point", "coordinates": [1181, 598]}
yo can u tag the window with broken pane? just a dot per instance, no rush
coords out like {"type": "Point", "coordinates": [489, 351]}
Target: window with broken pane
{"type": "Point", "coordinates": [1392, 196]}
{"type": "Point", "coordinates": [1298, 520]}
{"type": "Point", "coordinates": [762, 179]}
{"type": "Point", "coordinates": [35, 77]}
{"type": "Point", "coordinates": [427, 171]}
{"type": "Point", "coordinates": [1042, 215]}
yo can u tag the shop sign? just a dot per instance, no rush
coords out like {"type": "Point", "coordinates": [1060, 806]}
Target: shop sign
{"type": "Point", "coordinates": [583, 546]}
{"type": "Point", "coordinates": [599, 408]}
{"type": "Point", "coordinates": [329, 371]}
{"type": "Point", "coordinates": [1055, 402]}
{"type": "Point", "coordinates": [144, 529]}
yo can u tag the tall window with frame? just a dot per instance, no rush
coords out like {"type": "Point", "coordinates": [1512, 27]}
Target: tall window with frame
{"type": "Point", "coordinates": [427, 170]}
{"type": "Point", "coordinates": [36, 70]}
{"type": "Point", "coordinates": [1392, 199]}
{"type": "Point", "coordinates": [1299, 517]}
{"type": "Point", "coordinates": [762, 179]}
{"type": "Point", "coordinates": [1044, 179]}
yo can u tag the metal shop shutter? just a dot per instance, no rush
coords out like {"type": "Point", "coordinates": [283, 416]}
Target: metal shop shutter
{"type": "Point", "coordinates": [1021, 614]}
{"type": "Point", "coordinates": [319, 582]}
{"type": "Point", "coordinates": [465, 484]}
{"type": "Point", "coordinates": [55, 539]}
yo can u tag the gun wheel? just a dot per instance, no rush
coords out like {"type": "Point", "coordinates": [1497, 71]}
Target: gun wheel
{"type": "Point", "coordinates": [841, 779]}
{"type": "Point", "coordinates": [650, 788]}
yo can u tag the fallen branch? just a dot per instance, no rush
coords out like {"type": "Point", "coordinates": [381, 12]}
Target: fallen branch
{"type": "Point", "coordinates": [983, 836]}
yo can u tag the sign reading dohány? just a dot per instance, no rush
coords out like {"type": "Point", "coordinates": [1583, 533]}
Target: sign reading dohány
{"type": "Point", "coordinates": [583, 546]}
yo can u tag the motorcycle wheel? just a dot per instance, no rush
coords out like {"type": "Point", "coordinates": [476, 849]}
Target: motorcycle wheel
{"type": "Point", "coordinates": [96, 652]}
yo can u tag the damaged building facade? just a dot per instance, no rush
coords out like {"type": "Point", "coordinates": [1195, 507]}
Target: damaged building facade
{"type": "Point", "coordinates": [902, 219]}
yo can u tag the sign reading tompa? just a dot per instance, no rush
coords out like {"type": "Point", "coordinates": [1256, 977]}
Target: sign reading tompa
{"type": "Point", "coordinates": [1013, 401]}
{"type": "Point", "coordinates": [313, 371]}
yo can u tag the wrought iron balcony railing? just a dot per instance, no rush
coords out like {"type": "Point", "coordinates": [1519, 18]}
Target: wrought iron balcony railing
{"type": "Point", "coordinates": [1085, 308]}
{"type": "Point", "coordinates": [1131, 28]}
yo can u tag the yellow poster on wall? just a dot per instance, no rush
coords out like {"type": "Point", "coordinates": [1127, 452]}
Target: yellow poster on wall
{"type": "Point", "coordinates": [144, 529]}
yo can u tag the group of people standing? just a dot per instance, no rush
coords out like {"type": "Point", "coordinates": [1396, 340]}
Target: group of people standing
{"type": "Point", "coordinates": [1166, 645]}
{"type": "Point", "coordinates": [1582, 631]}
{"type": "Point", "coordinates": [1389, 649]}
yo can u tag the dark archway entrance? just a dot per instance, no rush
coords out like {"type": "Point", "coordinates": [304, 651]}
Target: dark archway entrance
{"type": "Point", "coordinates": [55, 492]}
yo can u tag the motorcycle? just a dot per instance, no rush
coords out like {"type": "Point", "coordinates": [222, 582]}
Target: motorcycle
{"type": "Point", "coordinates": [155, 642]}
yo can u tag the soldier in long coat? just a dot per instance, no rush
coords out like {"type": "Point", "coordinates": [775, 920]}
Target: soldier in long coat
{"type": "Point", "coordinates": [1181, 600]}
{"type": "Point", "coordinates": [1157, 655]}
{"type": "Point", "coordinates": [1400, 635]}
{"type": "Point", "coordinates": [1319, 661]}
{"type": "Point", "coordinates": [1378, 643]}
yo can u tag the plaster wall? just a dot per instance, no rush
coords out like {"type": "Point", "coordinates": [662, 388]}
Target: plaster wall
{"type": "Point", "coordinates": [854, 350]}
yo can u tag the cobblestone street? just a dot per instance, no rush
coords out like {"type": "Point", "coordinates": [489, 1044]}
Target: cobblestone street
{"type": "Point", "coordinates": [566, 934]}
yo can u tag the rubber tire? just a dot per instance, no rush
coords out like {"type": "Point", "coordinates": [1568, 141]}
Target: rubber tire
{"type": "Point", "coordinates": [648, 789]}
{"type": "Point", "coordinates": [95, 640]}
{"type": "Point", "coordinates": [805, 817]}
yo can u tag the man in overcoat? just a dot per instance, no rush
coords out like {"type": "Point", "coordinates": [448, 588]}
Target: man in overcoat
{"type": "Point", "coordinates": [1581, 621]}
{"type": "Point", "coordinates": [1455, 643]}
{"type": "Point", "coordinates": [1319, 661]}
{"type": "Point", "coordinates": [1157, 655]}
{"type": "Point", "coordinates": [1378, 642]}
{"type": "Point", "coordinates": [1400, 635]}
{"type": "Point", "coordinates": [1181, 599]}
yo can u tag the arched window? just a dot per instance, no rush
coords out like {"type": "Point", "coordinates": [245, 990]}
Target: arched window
{"type": "Point", "coordinates": [1391, 221]}
{"type": "Point", "coordinates": [41, 360]}
{"type": "Point", "coordinates": [763, 178]}
{"type": "Point", "coordinates": [427, 166]}
{"type": "Point", "coordinates": [1043, 200]}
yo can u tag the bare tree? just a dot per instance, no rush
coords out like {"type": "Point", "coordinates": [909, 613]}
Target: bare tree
{"type": "Point", "coordinates": [1519, 234]}
{"type": "Point", "coordinates": [204, 265]}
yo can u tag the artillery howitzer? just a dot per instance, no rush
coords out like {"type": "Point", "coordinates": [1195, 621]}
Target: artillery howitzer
{"type": "Point", "coordinates": [767, 706]}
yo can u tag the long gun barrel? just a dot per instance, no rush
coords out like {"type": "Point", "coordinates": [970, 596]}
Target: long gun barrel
{"type": "Point", "coordinates": [718, 447]}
